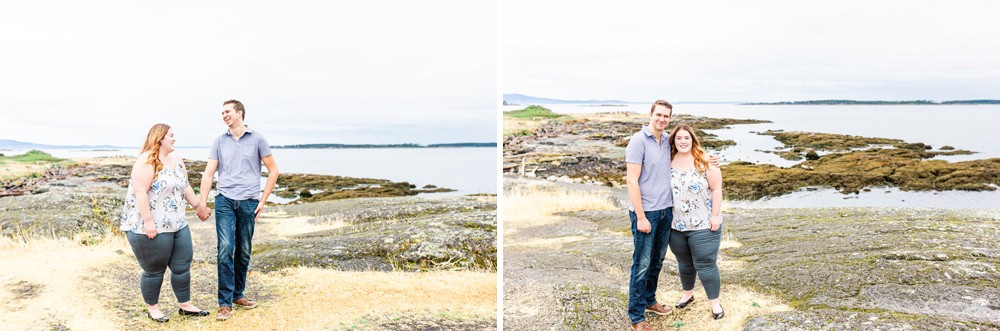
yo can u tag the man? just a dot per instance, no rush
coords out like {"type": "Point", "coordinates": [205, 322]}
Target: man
{"type": "Point", "coordinates": [647, 165]}
{"type": "Point", "coordinates": [237, 155]}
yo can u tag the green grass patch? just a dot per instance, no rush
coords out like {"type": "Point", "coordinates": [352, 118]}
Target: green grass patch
{"type": "Point", "coordinates": [532, 112]}
{"type": "Point", "coordinates": [32, 156]}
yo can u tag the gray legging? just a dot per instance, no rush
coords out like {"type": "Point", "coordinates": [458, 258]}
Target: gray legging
{"type": "Point", "coordinates": [696, 253]}
{"type": "Point", "coordinates": [171, 249]}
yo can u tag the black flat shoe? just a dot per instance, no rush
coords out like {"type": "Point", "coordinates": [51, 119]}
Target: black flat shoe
{"type": "Point", "coordinates": [685, 303]}
{"type": "Point", "coordinates": [720, 314]}
{"type": "Point", "coordinates": [192, 313]}
{"type": "Point", "coordinates": [163, 319]}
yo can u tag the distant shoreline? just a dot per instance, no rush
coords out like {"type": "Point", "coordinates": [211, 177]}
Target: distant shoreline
{"type": "Point", "coordinates": [874, 103]}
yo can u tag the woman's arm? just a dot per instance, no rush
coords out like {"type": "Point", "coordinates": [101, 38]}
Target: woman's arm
{"type": "Point", "coordinates": [715, 184]}
{"type": "Point", "coordinates": [192, 199]}
{"type": "Point", "coordinates": [142, 179]}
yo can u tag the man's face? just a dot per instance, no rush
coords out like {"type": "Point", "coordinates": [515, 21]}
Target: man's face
{"type": "Point", "coordinates": [660, 118]}
{"type": "Point", "coordinates": [230, 115]}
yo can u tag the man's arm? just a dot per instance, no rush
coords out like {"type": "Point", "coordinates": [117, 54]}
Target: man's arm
{"type": "Point", "coordinates": [632, 171]}
{"type": "Point", "coordinates": [272, 178]}
{"type": "Point", "coordinates": [206, 187]}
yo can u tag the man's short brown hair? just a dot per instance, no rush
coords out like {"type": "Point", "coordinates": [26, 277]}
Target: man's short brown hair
{"type": "Point", "coordinates": [239, 107]}
{"type": "Point", "coordinates": [651, 109]}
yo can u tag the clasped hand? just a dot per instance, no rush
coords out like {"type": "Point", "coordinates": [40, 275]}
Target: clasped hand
{"type": "Point", "coordinates": [204, 213]}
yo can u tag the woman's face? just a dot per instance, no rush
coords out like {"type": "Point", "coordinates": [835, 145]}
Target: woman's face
{"type": "Point", "coordinates": [683, 142]}
{"type": "Point", "coordinates": [167, 144]}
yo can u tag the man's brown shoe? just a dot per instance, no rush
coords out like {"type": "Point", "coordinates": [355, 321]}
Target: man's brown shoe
{"type": "Point", "coordinates": [224, 313]}
{"type": "Point", "coordinates": [245, 303]}
{"type": "Point", "coordinates": [642, 326]}
{"type": "Point", "coordinates": [659, 309]}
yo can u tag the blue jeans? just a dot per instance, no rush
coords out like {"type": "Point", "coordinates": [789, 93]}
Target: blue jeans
{"type": "Point", "coordinates": [647, 260]}
{"type": "Point", "coordinates": [234, 221]}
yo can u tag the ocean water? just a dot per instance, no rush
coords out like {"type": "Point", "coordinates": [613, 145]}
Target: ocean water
{"type": "Point", "coordinates": [969, 127]}
{"type": "Point", "coordinates": [467, 170]}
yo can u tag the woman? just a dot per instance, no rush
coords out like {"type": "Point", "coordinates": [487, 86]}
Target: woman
{"type": "Point", "coordinates": [696, 230]}
{"type": "Point", "coordinates": [154, 224]}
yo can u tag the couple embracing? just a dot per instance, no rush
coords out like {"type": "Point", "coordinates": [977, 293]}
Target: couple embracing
{"type": "Point", "coordinates": [675, 195]}
{"type": "Point", "coordinates": [154, 223]}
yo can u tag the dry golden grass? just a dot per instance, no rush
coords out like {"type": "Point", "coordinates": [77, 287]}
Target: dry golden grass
{"type": "Point", "coordinates": [515, 125]}
{"type": "Point", "coordinates": [17, 169]}
{"type": "Point", "coordinates": [41, 283]}
{"type": "Point", "coordinates": [618, 117]}
{"type": "Point", "coordinates": [547, 242]}
{"type": "Point", "coordinates": [739, 302]}
{"type": "Point", "coordinates": [114, 160]}
{"type": "Point", "coordinates": [11, 169]}
{"type": "Point", "coordinates": [533, 204]}
{"type": "Point", "coordinates": [314, 299]}
{"type": "Point", "coordinates": [282, 224]}
{"type": "Point", "coordinates": [44, 283]}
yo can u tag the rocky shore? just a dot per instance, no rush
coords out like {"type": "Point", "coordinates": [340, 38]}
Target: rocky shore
{"type": "Point", "coordinates": [591, 148]}
{"type": "Point", "coordinates": [387, 234]}
{"type": "Point", "coordinates": [849, 268]}
{"type": "Point", "coordinates": [389, 229]}
{"type": "Point", "coordinates": [588, 148]}
{"type": "Point", "coordinates": [835, 268]}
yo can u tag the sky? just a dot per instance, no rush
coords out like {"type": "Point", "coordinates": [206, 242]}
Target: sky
{"type": "Point", "coordinates": [94, 73]}
{"type": "Point", "coordinates": [751, 51]}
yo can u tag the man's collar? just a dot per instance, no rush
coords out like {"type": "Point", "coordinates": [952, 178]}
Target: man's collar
{"type": "Point", "coordinates": [247, 131]}
{"type": "Point", "coordinates": [646, 130]}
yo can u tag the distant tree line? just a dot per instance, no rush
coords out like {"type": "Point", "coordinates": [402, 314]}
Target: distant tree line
{"type": "Point", "coordinates": [879, 102]}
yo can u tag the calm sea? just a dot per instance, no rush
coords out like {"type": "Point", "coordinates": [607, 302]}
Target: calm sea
{"type": "Point", "coordinates": [969, 127]}
{"type": "Point", "coordinates": [467, 170]}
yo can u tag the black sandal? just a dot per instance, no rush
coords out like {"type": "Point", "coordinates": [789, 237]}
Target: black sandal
{"type": "Point", "coordinates": [685, 303]}
{"type": "Point", "coordinates": [720, 314]}
{"type": "Point", "coordinates": [192, 313]}
{"type": "Point", "coordinates": [163, 319]}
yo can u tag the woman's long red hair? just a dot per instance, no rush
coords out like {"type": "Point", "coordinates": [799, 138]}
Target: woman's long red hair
{"type": "Point", "coordinates": [152, 145]}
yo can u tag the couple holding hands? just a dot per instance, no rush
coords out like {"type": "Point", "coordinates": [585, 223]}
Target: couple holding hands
{"type": "Point", "coordinates": [153, 218]}
{"type": "Point", "coordinates": [675, 195]}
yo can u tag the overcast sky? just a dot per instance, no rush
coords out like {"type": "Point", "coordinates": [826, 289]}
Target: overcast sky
{"type": "Point", "coordinates": [752, 50]}
{"type": "Point", "coordinates": [82, 72]}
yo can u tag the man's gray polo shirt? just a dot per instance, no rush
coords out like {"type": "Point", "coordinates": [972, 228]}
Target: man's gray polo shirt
{"type": "Point", "coordinates": [654, 180]}
{"type": "Point", "coordinates": [239, 164]}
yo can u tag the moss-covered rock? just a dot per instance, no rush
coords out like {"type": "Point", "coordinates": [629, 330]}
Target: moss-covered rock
{"type": "Point", "coordinates": [855, 171]}
{"type": "Point", "coordinates": [60, 215]}
{"type": "Point", "coordinates": [910, 264]}
{"type": "Point", "coordinates": [390, 234]}
{"type": "Point", "coordinates": [590, 147]}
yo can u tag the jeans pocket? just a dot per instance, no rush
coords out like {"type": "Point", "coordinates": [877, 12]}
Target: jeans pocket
{"type": "Point", "coordinates": [633, 220]}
